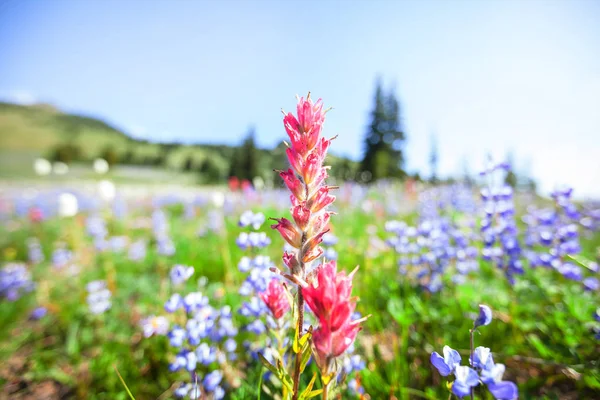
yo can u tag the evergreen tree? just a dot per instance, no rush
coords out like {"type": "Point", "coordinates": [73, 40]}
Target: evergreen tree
{"type": "Point", "coordinates": [244, 162]}
{"type": "Point", "coordinates": [383, 157]}
{"type": "Point", "coordinates": [433, 160]}
{"type": "Point", "coordinates": [235, 166]}
{"type": "Point", "coordinates": [110, 155]}
{"type": "Point", "coordinates": [188, 165]}
{"type": "Point", "coordinates": [511, 178]}
{"type": "Point", "coordinates": [249, 157]}
{"type": "Point", "coordinates": [209, 171]}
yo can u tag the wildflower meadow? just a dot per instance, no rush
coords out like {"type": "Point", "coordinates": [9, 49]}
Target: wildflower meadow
{"type": "Point", "coordinates": [314, 288]}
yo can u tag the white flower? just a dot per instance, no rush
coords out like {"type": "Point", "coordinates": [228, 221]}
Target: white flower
{"type": "Point", "coordinates": [101, 166]}
{"type": "Point", "coordinates": [107, 190]}
{"type": "Point", "coordinates": [67, 205]}
{"type": "Point", "coordinates": [42, 166]}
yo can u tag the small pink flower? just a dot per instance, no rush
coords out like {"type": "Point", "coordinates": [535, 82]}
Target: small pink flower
{"type": "Point", "coordinates": [275, 298]}
{"type": "Point", "coordinates": [288, 231]}
{"type": "Point", "coordinates": [329, 299]}
{"type": "Point", "coordinates": [321, 199]}
{"type": "Point", "coordinates": [290, 260]}
{"type": "Point", "coordinates": [293, 183]}
{"type": "Point", "coordinates": [301, 215]}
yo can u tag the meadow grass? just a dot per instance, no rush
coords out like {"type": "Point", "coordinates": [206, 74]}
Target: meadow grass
{"type": "Point", "coordinates": [541, 329]}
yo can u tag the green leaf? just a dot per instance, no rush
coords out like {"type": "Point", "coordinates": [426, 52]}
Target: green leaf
{"type": "Point", "coordinates": [539, 346]}
{"type": "Point", "coordinates": [267, 364]}
{"type": "Point", "coordinates": [259, 385]}
{"type": "Point", "coordinates": [312, 394]}
{"type": "Point", "coordinates": [304, 339]}
{"type": "Point", "coordinates": [581, 260]}
{"type": "Point", "coordinates": [72, 342]}
{"type": "Point", "coordinates": [305, 357]}
{"type": "Point", "coordinates": [398, 310]}
{"type": "Point", "coordinates": [309, 387]}
{"type": "Point", "coordinates": [123, 382]}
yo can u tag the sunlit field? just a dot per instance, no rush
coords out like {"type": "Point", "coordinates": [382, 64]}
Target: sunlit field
{"type": "Point", "coordinates": [89, 273]}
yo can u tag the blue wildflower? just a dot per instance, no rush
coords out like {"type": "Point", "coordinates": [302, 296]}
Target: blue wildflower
{"type": "Point", "coordinates": [212, 380]}
{"type": "Point", "coordinates": [466, 378]}
{"type": "Point", "coordinates": [485, 316]}
{"type": "Point", "coordinates": [447, 364]}
{"type": "Point", "coordinates": [174, 303]}
{"type": "Point", "coordinates": [181, 273]}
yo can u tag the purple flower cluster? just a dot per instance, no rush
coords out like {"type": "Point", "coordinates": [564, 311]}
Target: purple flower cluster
{"type": "Point", "coordinates": [498, 226]}
{"type": "Point", "coordinates": [552, 234]}
{"type": "Point", "coordinates": [205, 339]}
{"type": "Point", "coordinates": [482, 368]}
{"type": "Point", "coordinates": [427, 250]}
{"type": "Point", "coordinates": [34, 251]}
{"type": "Point", "coordinates": [15, 280]}
{"type": "Point", "coordinates": [160, 228]}
{"type": "Point", "coordinates": [99, 297]}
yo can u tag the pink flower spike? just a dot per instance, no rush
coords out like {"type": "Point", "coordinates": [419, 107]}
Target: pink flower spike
{"type": "Point", "coordinates": [276, 299]}
{"type": "Point", "coordinates": [288, 231]}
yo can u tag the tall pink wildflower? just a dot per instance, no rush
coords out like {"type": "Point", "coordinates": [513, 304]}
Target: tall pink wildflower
{"type": "Point", "coordinates": [327, 292]}
{"type": "Point", "coordinates": [306, 181]}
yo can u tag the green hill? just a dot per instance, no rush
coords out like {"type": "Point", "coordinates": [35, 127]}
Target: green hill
{"type": "Point", "coordinates": [28, 132]}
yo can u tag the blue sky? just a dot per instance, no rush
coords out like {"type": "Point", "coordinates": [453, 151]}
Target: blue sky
{"type": "Point", "coordinates": [483, 76]}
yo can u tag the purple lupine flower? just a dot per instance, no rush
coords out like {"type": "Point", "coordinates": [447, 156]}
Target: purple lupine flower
{"type": "Point", "coordinates": [206, 354]}
{"type": "Point", "coordinates": [194, 301]}
{"type": "Point", "coordinates": [230, 345]}
{"type": "Point", "coordinates": [591, 284]}
{"type": "Point", "coordinates": [447, 364]}
{"type": "Point", "coordinates": [154, 325]}
{"type": "Point", "coordinates": [38, 313]}
{"type": "Point", "coordinates": [98, 298]}
{"type": "Point", "coordinates": [185, 359]}
{"type": "Point", "coordinates": [34, 249]}
{"type": "Point", "coordinates": [257, 327]}
{"type": "Point", "coordinates": [249, 218]}
{"type": "Point", "coordinates": [485, 316]}
{"type": "Point", "coordinates": [15, 280]}
{"type": "Point", "coordinates": [501, 390]}
{"type": "Point", "coordinates": [466, 378]}
{"type": "Point", "coordinates": [482, 357]}
{"type": "Point", "coordinates": [212, 380]}
{"type": "Point", "coordinates": [137, 250]}
{"type": "Point", "coordinates": [247, 240]}
{"type": "Point", "coordinates": [182, 390]}
{"type": "Point", "coordinates": [181, 273]}
{"type": "Point", "coordinates": [174, 303]}
{"type": "Point", "coordinates": [177, 336]}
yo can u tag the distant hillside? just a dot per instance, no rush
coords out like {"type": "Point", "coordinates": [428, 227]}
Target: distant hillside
{"type": "Point", "coordinates": [27, 132]}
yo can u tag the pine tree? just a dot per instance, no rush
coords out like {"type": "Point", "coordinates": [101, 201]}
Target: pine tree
{"type": "Point", "coordinates": [511, 178]}
{"type": "Point", "coordinates": [249, 157]}
{"type": "Point", "coordinates": [383, 157]}
{"type": "Point", "coordinates": [433, 160]}
{"type": "Point", "coordinates": [394, 138]}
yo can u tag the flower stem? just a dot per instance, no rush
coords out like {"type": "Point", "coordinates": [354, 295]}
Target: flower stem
{"type": "Point", "coordinates": [472, 331]}
{"type": "Point", "coordinates": [325, 391]}
{"type": "Point", "coordinates": [296, 377]}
